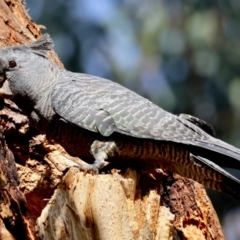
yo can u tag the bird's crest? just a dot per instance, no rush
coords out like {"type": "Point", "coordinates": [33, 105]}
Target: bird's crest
{"type": "Point", "coordinates": [41, 46]}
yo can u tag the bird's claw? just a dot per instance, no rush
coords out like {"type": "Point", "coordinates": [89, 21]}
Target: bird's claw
{"type": "Point", "coordinates": [90, 168]}
{"type": "Point", "coordinates": [93, 168]}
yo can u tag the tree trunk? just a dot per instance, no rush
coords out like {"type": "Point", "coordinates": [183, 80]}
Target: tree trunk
{"type": "Point", "coordinates": [46, 203]}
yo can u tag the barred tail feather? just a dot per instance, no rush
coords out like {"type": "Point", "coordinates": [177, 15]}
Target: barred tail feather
{"type": "Point", "coordinates": [220, 179]}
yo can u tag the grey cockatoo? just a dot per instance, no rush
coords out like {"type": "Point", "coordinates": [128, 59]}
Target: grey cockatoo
{"type": "Point", "coordinates": [83, 112]}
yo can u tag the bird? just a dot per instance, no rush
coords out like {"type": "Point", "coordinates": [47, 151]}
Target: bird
{"type": "Point", "coordinates": [100, 121]}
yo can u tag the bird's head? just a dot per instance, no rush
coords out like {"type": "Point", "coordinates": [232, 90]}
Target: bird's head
{"type": "Point", "coordinates": [19, 63]}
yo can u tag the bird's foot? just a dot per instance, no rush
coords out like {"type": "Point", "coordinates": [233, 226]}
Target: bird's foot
{"type": "Point", "coordinates": [101, 151]}
{"type": "Point", "coordinates": [63, 161]}
{"type": "Point", "coordinates": [94, 168]}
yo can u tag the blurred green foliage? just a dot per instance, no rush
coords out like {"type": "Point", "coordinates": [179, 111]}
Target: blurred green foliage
{"type": "Point", "coordinates": [184, 55]}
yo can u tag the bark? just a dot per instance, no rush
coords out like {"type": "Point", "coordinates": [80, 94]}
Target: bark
{"type": "Point", "coordinates": [73, 205]}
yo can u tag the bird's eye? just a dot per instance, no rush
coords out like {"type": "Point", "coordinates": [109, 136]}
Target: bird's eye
{"type": "Point", "coordinates": [12, 64]}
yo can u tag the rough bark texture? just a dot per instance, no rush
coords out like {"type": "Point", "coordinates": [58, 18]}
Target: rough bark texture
{"type": "Point", "coordinates": [119, 205]}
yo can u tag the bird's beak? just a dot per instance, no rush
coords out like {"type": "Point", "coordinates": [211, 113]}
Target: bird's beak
{"type": "Point", "coordinates": [5, 91]}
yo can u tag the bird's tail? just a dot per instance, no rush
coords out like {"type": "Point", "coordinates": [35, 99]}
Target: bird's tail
{"type": "Point", "coordinates": [219, 152]}
{"type": "Point", "coordinates": [207, 146]}
{"type": "Point", "coordinates": [214, 177]}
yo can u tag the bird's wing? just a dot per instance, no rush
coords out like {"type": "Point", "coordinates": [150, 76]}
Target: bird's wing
{"type": "Point", "coordinates": [100, 105]}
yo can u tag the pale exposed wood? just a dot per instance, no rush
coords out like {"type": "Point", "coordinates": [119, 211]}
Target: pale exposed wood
{"type": "Point", "coordinates": [121, 206]}
{"type": "Point", "coordinates": [4, 233]}
{"type": "Point", "coordinates": [127, 205]}
{"type": "Point", "coordinates": [109, 206]}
